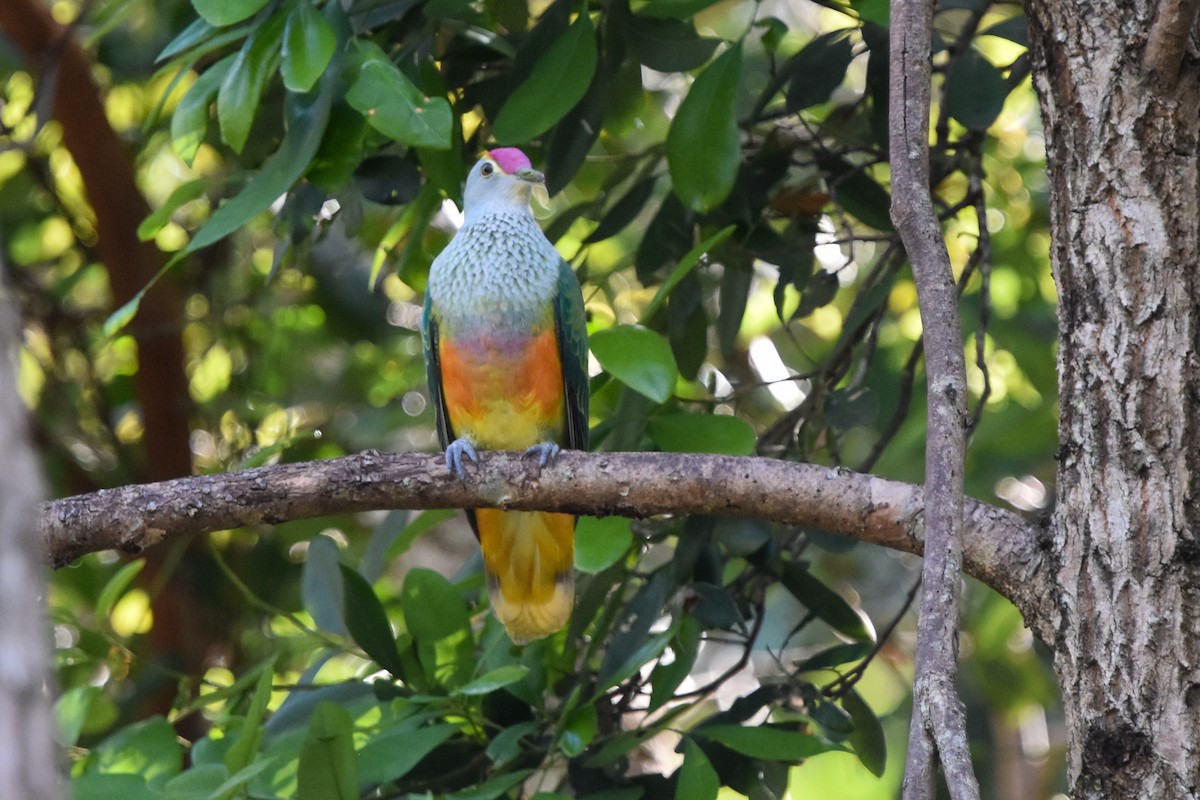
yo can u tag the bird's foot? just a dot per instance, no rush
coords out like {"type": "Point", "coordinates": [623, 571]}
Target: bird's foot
{"type": "Point", "coordinates": [545, 452]}
{"type": "Point", "coordinates": [459, 449]}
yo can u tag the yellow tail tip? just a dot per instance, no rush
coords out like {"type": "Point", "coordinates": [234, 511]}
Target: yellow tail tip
{"type": "Point", "coordinates": [530, 620]}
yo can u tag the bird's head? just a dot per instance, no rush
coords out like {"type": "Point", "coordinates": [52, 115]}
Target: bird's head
{"type": "Point", "coordinates": [502, 179]}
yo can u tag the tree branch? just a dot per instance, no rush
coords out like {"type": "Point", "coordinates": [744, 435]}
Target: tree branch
{"type": "Point", "coordinates": [1173, 21]}
{"type": "Point", "coordinates": [1001, 548]}
{"type": "Point", "coordinates": [30, 766]}
{"type": "Point", "coordinates": [938, 728]}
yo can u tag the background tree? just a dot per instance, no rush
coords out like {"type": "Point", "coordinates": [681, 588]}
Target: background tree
{"type": "Point", "coordinates": [731, 198]}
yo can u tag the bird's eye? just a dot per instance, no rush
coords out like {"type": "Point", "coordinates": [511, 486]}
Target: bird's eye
{"type": "Point", "coordinates": [487, 170]}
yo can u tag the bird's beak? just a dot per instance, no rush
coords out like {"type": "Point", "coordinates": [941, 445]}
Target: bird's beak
{"type": "Point", "coordinates": [530, 175]}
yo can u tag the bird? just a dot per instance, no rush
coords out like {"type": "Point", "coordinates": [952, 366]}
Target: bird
{"type": "Point", "coordinates": [505, 343]}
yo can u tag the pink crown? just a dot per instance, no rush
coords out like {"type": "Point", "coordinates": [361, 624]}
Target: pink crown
{"type": "Point", "coordinates": [509, 159]}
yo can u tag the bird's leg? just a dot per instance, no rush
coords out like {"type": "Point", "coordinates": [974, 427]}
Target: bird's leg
{"type": "Point", "coordinates": [455, 453]}
{"type": "Point", "coordinates": [544, 451]}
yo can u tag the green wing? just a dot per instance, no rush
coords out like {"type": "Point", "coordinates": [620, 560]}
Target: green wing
{"type": "Point", "coordinates": [571, 327]}
{"type": "Point", "coordinates": [433, 372]}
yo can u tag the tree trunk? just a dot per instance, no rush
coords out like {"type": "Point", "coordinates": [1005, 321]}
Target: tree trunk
{"type": "Point", "coordinates": [1121, 144]}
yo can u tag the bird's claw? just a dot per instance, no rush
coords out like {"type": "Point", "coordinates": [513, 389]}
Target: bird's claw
{"type": "Point", "coordinates": [455, 453]}
{"type": "Point", "coordinates": [545, 452]}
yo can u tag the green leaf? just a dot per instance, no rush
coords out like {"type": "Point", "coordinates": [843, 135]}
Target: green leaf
{"type": "Point", "coordinates": [649, 650]}
{"type": "Point", "coordinates": [227, 12]}
{"type": "Point", "coordinates": [975, 91]}
{"type": "Point", "coordinates": [149, 749]}
{"type": "Point", "coordinates": [393, 753]}
{"type": "Point", "coordinates": [817, 70]}
{"type": "Point", "coordinates": [624, 211]}
{"type": "Point", "coordinates": [827, 604]}
{"type": "Point", "coordinates": [697, 778]}
{"type": "Point", "coordinates": [703, 145]}
{"type": "Point", "coordinates": [703, 433]}
{"type": "Point", "coordinates": [198, 782]}
{"type": "Point", "coordinates": [766, 742]}
{"type": "Point", "coordinates": [437, 618]}
{"type": "Point", "coordinates": [158, 219]}
{"type": "Point", "coordinates": [867, 739]}
{"type": "Point", "coordinates": [196, 32]}
{"type": "Point", "coordinates": [241, 91]}
{"type": "Point", "coordinates": [104, 786]}
{"type": "Point", "coordinates": [242, 752]}
{"type": "Point", "coordinates": [83, 709]}
{"type": "Point", "coordinates": [395, 107]}
{"type": "Point", "coordinates": [493, 787]}
{"type": "Point", "coordinates": [116, 587]}
{"type": "Point", "coordinates": [858, 193]}
{"type": "Point", "coordinates": [638, 357]}
{"type": "Point", "coordinates": [420, 524]}
{"type": "Point", "coordinates": [835, 656]}
{"type": "Point", "coordinates": [189, 123]}
{"type": "Point", "coordinates": [666, 678]}
{"type": "Point", "coordinates": [559, 80]}
{"type": "Point", "coordinates": [307, 116]}
{"type": "Point", "coordinates": [308, 45]}
{"type": "Point", "coordinates": [666, 44]}
{"type": "Point", "coordinates": [493, 680]}
{"type": "Point", "coordinates": [579, 729]}
{"type": "Point", "coordinates": [684, 267]}
{"type": "Point", "coordinates": [679, 9]}
{"type": "Point", "coordinates": [321, 585]}
{"type": "Point", "coordinates": [327, 769]}
{"type": "Point", "coordinates": [600, 541]}
{"type": "Point", "coordinates": [368, 623]}
{"type": "Point", "coordinates": [1015, 29]}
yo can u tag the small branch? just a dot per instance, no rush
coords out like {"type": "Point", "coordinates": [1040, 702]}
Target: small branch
{"type": "Point", "coordinates": [938, 729]}
{"type": "Point", "coordinates": [1001, 549]}
{"type": "Point", "coordinates": [1173, 21]}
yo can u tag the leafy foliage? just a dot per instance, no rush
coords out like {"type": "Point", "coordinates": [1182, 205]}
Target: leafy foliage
{"type": "Point", "coordinates": [719, 182]}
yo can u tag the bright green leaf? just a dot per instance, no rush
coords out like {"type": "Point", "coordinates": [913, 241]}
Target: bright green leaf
{"type": "Point", "coordinates": [437, 618]}
{"type": "Point", "coordinates": [116, 587]}
{"type": "Point", "coordinates": [600, 541]}
{"type": "Point", "coordinates": [242, 752]}
{"type": "Point", "coordinates": [104, 786]}
{"type": "Point", "coordinates": [161, 216]}
{"type": "Point", "coordinates": [226, 12]}
{"type": "Point", "coordinates": [149, 749]}
{"type": "Point", "coordinates": [579, 729]}
{"type": "Point", "coordinates": [697, 778]}
{"type": "Point", "coordinates": [327, 769]}
{"type": "Point", "coordinates": [638, 357]}
{"type": "Point", "coordinates": [394, 105]}
{"type": "Point", "coordinates": [703, 145]}
{"type": "Point", "coordinates": [493, 680]}
{"type": "Point", "coordinates": [240, 96]}
{"type": "Point", "coordinates": [766, 742]}
{"type": "Point", "coordinates": [559, 80]}
{"type": "Point", "coordinates": [703, 433]}
{"type": "Point", "coordinates": [308, 45]}
{"type": "Point", "coordinates": [198, 782]}
{"type": "Point", "coordinates": [189, 123]}
{"type": "Point", "coordinates": [392, 754]}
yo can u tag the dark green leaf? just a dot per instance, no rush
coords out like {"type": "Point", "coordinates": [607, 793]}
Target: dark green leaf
{"type": "Point", "coordinates": [493, 680]}
{"type": "Point", "coordinates": [227, 12]}
{"type": "Point", "coordinates": [196, 32]}
{"type": "Point", "coordinates": [420, 524]}
{"type": "Point", "coordinates": [697, 778]}
{"type": "Point", "coordinates": [437, 618]}
{"type": "Point", "coordinates": [559, 80]}
{"type": "Point", "coordinates": [198, 782]}
{"type": "Point", "coordinates": [395, 107]}
{"type": "Point", "coordinates": [734, 294]}
{"type": "Point", "coordinates": [666, 678]}
{"type": "Point", "coordinates": [243, 750]}
{"type": "Point", "coordinates": [493, 787]}
{"type": "Point", "coordinates": [579, 728]}
{"type": "Point", "coordinates": [116, 587]}
{"type": "Point", "coordinates": [241, 91]}
{"type": "Point", "coordinates": [388, 179]}
{"type": "Point", "coordinates": [599, 542]}
{"type": "Point", "coordinates": [368, 623]}
{"type": "Point", "coordinates": [703, 144]}
{"type": "Point", "coordinates": [638, 357]}
{"type": "Point", "coordinates": [321, 585]}
{"type": "Point", "coordinates": [687, 326]}
{"type": "Point", "coordinates": [327, 769]}
{"type": "Point", "coordinates": [308, 45]}
{"type": "Point", "coordinates": [821, 289]}
{"type": "Point", "coordinates": [666, 44]}
{"type": "Point", "coordinates": [624, 211]}
{"type": "Point", "coordinates": [703, 433]}
{"type": "Point", "coordinates": [684, 267]}
{"type": "Point", "coordinates": [827, 604]}
{"type": "Point", "coordinates": [835, 656]}
{"type": "Point", "coordinates": [817, 70]}
{"type": "Point", "coordinates": [766, 742]}
{"type": "Point", "coordinates": [858, 193]}
{"type": "Point", "coordinates": [867, 739]}
{"type": "Point", "coordinates": [104, 786]}
{"type": "Point", "coordinates": [845, 410]}
{"type": "Point", "coordinates": [569, 142]}
{"type": "Point", "coordinates": [307, 116]}
{"type": "Point", "coordinates": [679, 9]}
{"type": "Point", "coordinates": [668, 236]}
{"type": "Point", "coordinates": [975, 91]}
{"type": "Point", "coordinates": [393, 753]}
{"type": "Point", "coordinates": [189, 123]}
{"type": "Point", "coordinates": [714, 607]}
{"type": "Point", "coordinates": [158, 219]}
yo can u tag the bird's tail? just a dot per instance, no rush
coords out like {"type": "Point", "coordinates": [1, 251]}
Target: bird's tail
{"type": "Point", "coordinates": [529, 558]}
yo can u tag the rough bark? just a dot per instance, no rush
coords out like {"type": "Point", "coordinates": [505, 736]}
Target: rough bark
{"type": "Point", "coordinates": [30, 765]}
{"type": "Point", "coordinates": [938, 731]}
{"type": "Point", "coordinates": [1125, 198]}
{"type": "Point", "coordinates": [1000, 548]}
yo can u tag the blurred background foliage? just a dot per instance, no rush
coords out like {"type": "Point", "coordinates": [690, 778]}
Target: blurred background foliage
{"type": "Point", "coordinates": [718, 178]}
